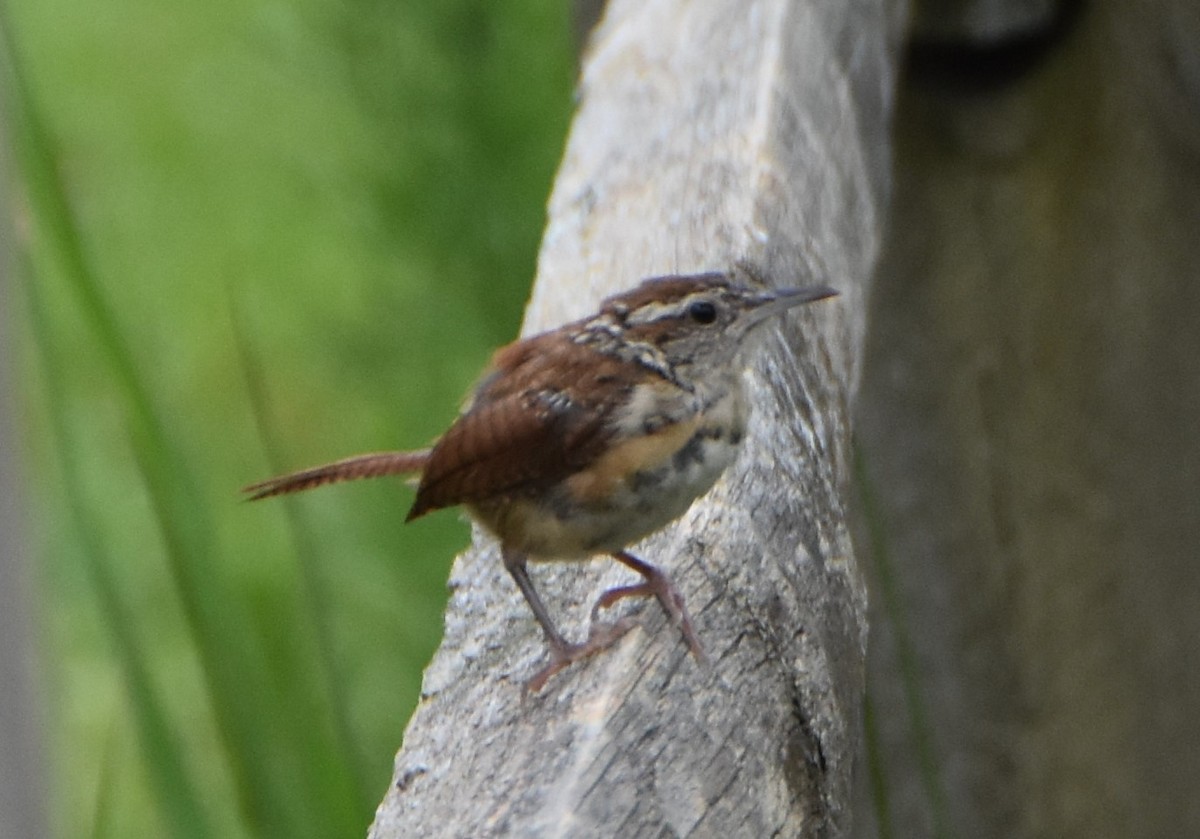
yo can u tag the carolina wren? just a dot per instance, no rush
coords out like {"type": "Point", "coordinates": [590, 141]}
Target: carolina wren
{"type": "Point", "coordinates": [585, 439]}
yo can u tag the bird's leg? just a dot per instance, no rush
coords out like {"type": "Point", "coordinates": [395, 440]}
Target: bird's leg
{"type": "Point", "coordinates": [562, 652]}
{"type": "Point", "coordinates": [655, 583]}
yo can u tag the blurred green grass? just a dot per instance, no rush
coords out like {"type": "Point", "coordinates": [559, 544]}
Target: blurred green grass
{"type": "Point", "coordinates": [294, 228]}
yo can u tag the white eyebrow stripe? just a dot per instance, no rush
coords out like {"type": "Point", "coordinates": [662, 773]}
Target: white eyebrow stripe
{"type": "Point", "coordinates": [651, 312]}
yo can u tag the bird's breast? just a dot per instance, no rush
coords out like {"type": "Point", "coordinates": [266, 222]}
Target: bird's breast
{"type": "Point", "coordinates": [639, 484]}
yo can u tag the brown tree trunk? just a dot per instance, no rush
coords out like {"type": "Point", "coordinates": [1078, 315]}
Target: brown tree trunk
{"type": "Point", "coordinates": [1030, 420]}
{"type": "Point", "coordinates": [709, 133]}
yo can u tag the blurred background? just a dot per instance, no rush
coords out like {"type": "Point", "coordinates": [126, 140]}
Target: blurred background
{"type": "Point", "coordinates": [245, 237]}
{"type": "Point", "coordinates": [248, 237]}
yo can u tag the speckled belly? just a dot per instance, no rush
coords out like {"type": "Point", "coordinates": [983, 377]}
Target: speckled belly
{"type": "Point", "coordinates": [636, 489]}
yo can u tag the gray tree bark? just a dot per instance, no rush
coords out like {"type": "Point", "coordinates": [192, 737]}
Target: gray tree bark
{"type": "Point", "coordinates": [709, 133]}
{"type": "Point", "coordinates": [1029, 417]}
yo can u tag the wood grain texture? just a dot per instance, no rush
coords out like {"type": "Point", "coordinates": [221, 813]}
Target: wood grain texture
{"type": "Point", "coordinates": [708, 134]}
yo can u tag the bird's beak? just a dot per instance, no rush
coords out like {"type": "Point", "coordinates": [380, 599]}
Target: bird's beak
{"type": "Point", "coordinates": [778, 300]}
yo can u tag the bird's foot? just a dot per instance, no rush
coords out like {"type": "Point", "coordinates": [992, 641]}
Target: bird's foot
{"type": "Point", "coordinates": [655, 584]}
{"type": "Point", "coordinates": [600, 637]}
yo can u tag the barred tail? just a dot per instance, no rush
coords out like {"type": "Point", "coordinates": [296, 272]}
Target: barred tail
{"type": "Point", "coordinates": [351, 469]}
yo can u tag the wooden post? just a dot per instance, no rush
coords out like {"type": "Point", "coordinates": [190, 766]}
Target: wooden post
{"type": "Point", "coordinates": [709, 133]}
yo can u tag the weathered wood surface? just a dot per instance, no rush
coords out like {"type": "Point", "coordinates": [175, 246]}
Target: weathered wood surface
{"type": "Point", "coordinates": [708, 133]}
{"type": "Point", "coordinates": [1030, 413]}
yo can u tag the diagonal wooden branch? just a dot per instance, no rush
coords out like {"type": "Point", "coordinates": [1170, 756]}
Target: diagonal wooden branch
{"type": "Point", "coordinates": [709, 134]}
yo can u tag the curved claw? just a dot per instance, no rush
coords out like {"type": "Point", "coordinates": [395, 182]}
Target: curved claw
{"type": "Point", "coordinates": [600, 637]}
{"type": "Point", "coordinates": [657, 584]}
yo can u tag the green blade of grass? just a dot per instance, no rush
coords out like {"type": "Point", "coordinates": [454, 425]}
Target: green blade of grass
{"type": "Point", "coordinates": [920, 731]}
{"type": "Point", "coordinates": [268, 764]}
{"type": "Point", "coordinates": [102, 812]}
{"type": "Point", "coordinates": [175, 791]}
{"type": "Point", "coordinates": [876, 771]}
{"type": "Point", "coordinates": [314, 591]}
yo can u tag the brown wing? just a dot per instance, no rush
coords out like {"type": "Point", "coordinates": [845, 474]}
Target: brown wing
{"type": "Point", "coordinates": [540, 415]}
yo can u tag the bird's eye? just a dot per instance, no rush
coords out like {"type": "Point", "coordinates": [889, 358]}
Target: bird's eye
{"type": "Point", "coordinates": [702, 311]}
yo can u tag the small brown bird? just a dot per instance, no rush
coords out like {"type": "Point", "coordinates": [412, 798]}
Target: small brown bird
{"type": "Point", "coordinates": [586, 439]}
